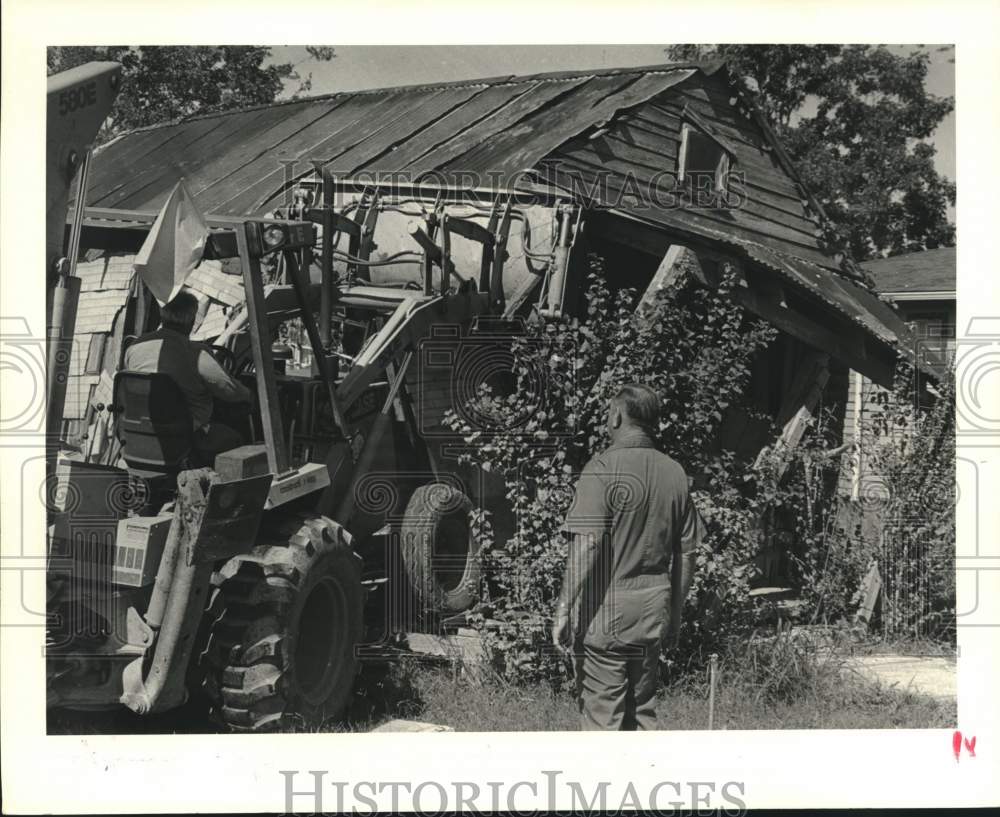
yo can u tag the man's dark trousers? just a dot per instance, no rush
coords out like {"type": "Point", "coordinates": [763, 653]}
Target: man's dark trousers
{"type": "Point", "coordinates": [617, 660]}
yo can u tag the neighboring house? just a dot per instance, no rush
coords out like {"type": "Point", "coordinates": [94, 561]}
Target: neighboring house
{"type": "Point", "coordinates": [922, 287]}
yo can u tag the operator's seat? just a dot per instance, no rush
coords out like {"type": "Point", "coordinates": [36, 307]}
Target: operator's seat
{"type": "Point", "coordinates": [154, 427]}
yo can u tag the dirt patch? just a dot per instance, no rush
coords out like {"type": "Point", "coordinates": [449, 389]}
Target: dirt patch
{"type": "Point", "coordinates": [931, 675]}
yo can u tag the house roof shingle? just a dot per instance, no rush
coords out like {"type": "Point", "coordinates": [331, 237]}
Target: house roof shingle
{"type": "Point", "coordinates": [931, 271]}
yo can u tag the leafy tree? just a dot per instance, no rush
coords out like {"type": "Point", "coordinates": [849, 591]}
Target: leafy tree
{"type": "Point", "coordinates": [162, 83]}
{"type": "Point", "coordinates": [855, 120]}
{"type": "Point", "coordinates": [695, 347]}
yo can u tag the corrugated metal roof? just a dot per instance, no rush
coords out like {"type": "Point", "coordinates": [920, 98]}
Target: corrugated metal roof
{"type": "Point", "coordinates": [927, 271]}
{"type": "Point", "coordinates": [232, 161]}
{"type": "Point", "coordinates": [851, 300]}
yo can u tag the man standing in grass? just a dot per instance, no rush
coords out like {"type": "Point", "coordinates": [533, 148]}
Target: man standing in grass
{"type": "Point", "coordinates": [631, 560]}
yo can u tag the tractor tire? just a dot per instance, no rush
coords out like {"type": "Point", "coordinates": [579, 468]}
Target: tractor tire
{"type": "Point", "coordinates": [439, 554]}
{"type": "Point", "coordinates": [282, 654]}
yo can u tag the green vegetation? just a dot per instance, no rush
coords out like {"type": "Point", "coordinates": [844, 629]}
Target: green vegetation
{"type": "Point", "coordinates": [696, 347]}
{"type": "Point", "coordinates": [165, 82]}
{"type": "Point", "coordinates": [855, 120]}
{"type": "Point", "coordinates": [769, 683]}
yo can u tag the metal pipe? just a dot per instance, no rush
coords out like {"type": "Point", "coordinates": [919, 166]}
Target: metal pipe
{"type": "Point", "coordinates": [713, 661]}
{"type": "Point", "coordinates": [62, 319]}
{"type": "Point", "coordinates": [380, 428]}
{"type": "Point", "coordinates": [320, 356]}
{"type": "Point", "coordinates": [326, 265]}
{"type": "Point", "coordinates": [560, 260]}
{"type": "Point", "coordinates": [62, 325]}
{"type": "Point", "coordinates": [78, 211]}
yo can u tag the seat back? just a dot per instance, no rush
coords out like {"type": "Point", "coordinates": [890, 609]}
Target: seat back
{"type": "Point", "coordinates": [153, 423]}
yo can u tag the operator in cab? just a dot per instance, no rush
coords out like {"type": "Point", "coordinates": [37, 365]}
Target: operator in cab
{"type": "Point", "coordinates": [205, 384]}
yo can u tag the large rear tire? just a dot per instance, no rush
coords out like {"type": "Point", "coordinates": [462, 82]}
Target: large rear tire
{"type": "Point", "coordinates": [439, 553]}
{"type": "Point", "coordinates": [282, 655]}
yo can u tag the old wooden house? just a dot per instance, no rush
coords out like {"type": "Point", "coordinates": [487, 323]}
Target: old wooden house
{"type": "Point", "coordinates": [647, 166]}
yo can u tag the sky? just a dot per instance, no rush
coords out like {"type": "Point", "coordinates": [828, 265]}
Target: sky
{"type": "Point", "coordinates": [358, 67]}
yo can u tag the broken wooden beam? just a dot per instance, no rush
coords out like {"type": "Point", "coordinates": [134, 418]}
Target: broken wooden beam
{"type": "Point", "coordinates": [871, 586]}
{"type": "Point", "coordinates": [677, 261]}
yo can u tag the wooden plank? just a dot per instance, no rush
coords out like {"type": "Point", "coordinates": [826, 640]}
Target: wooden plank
{"type": "Point", "coordinates": [667, 112]}
{"type": "Point", "coordinates": [519, 106]}
{"type": "Point", "coordinates": [366, 138]}
{"type": "Point", "coordinates": [778, 202]}
{"type": "Point", "coordinates": [594, 103]}
{"type": "Point", "coordinates": [737, 223]}
{"type": "Point", "coordinates": [456, 122]}
{"type": "Point", "coordinates": [128, 151]}
{"type": "Point", "coordinates": [392, 109]}
{"type": "Point", "coordinates": [213, 157]}
{"type": "Point", "coordinates": [724, 116]}
{"type": "Point", "coordinates": [811, 333]}
{"type": "Point", "coordinates": [260, 179]}
{"type": "Point", "coordinates": [803, 366]}
{"type": "Point", "coordinates": [260, 344]}
{"type": "Point", "coordinates": [151, 167]}
{"type": "Point", "coordinates": [766, 179]}
{"type": "Point", "coordinates": [729, 146]}
{"type": "Point", "coordinates": [653, 147]}
{"type": "Point", "coordinates": [146, 172]}
{"type": "Point", "coordinates": [670, 269]}
{"type": "Point", "coordinates": [466, 649]}
{"type": "Point", "coordinates": [260, 157]}
{"type": "Point", "coordinates": [704, 89]}
{"type": "Point", "coordinates": [622, 159]}
{"type": "Point", "coordinates": [765, 172]}
{"type": "Point", "coordinates": [295, 118]}
{"type": "Point", "coordinates": [847, 344]}
{"type": "Point", "coordinates": [186, 162]}
{"type": "Point", "coordinates": [871, 586]}
{"type": "Point", "coordinates": [377, 147]}
{"type": "Point", "coordinates": [816, 374]}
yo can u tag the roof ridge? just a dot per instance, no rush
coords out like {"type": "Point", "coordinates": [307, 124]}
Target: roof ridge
{"type": "Point", "coordinates": [502, 79]}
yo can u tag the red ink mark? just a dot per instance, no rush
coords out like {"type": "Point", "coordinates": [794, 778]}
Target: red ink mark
{"type": "Point", "coordinates": [956, 745]}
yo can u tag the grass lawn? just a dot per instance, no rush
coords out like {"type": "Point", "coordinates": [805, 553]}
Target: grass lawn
{"type": "Point", "coordinates": [831, 701]}
{"type": "Point", "coordinates": [762, 683]}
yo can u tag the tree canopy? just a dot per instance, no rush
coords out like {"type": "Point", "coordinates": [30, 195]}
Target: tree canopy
{"type": "Point", "coordinates": [162, 83]}
{"type": "Point", "coordinates": [855, 120]}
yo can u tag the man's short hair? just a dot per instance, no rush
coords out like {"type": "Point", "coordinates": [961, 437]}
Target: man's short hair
{"type": "Point", "coordinates": [181, 311]}
{"type": "Point", "coordinates": [641, 404]}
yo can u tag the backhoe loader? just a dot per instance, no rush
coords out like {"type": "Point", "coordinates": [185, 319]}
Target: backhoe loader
{"type": "Point", "coordinates": [242, 579]}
